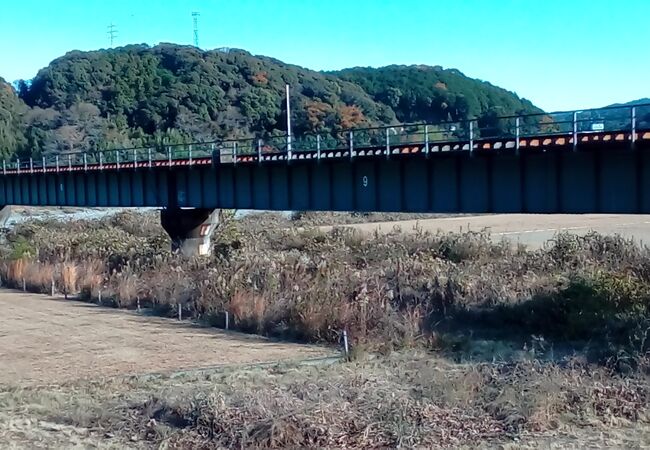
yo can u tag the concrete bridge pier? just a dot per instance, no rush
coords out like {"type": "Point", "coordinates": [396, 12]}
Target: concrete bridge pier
{"type": "Point", "coordinates": [5, 213]}
{"type": "Point", "coordinates": [190, 229]}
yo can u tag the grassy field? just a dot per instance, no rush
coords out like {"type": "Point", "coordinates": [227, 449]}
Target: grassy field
{"type": "Point", "coordinates": [456, 340]}
{"type": "Point", "coordinates": [388, 291]}
{"type": "Point", "coordinates": [46, 340]}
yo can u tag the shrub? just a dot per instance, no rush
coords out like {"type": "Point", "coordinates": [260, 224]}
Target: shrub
{"type": "Point", "coordinates": [21, 248]}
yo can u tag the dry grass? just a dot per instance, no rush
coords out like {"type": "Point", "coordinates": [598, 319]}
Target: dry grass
{"type": "Point", "coordinates": [262, 221]}
{"type": "Point", "coordinates": [387, 291]}
{"type": "Point", "coordinates": [15, 271]}
{"type": "Point", "coordinates": [45, 341]}
{"type": "Point", "coordinates": [410, 399]}
{"type": "Point", "coordinates": [248, 310]}
{"type": "Point", "coordinates": [69, 278]}
{"type": "Point", "coordinates": [92, 274]}
{"type": "Point", "coordinates": [523, 329]}
{"type": "Point", "coordinates": [37, 277]}
{"type": "Point", "coordinates": [127, 288]}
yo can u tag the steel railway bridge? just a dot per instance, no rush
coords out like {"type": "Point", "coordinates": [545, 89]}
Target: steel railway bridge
{"type": "Point", "coordinates": [591, 161]}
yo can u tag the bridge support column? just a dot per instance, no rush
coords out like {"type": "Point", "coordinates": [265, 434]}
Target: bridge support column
{"type": "Point", "coordinates": [5, 213]}
{"type": "Point", "coordinates": [190, 229]}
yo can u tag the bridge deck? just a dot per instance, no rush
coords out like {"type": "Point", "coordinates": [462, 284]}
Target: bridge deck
{"type": "Point", "coordinates": [603, 140]}
{"type": "Point", "coordinates": [576, 162]}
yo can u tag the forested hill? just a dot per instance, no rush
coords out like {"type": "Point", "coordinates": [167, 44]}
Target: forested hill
{"type": "Point", "coordinates": [12, 114]}
{"type": "Point", "coordinates": [641, 101]}
{"type": "Point", "coordinates": [431, 93]}
{"type": "Point", "coordinates": [138, 95]}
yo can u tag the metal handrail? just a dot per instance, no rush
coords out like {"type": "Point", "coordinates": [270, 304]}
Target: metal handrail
{"type": "Point", "coordinates": [350, 140]}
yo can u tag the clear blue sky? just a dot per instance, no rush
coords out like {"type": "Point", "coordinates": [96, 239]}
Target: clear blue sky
{"type": "Point", "coordinates": [561, 54]}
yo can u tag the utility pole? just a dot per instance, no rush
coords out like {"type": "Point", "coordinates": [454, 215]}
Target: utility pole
{"type": "Point", "coordinates": [112, 33]}
{"type": "Point", "coordinates": [288, 122]}
{"type": "Point", "coordinates": [195, 22]}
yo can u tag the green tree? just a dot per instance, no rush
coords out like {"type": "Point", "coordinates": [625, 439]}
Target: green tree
{"type": "Point", "coordinates": [140, 95]}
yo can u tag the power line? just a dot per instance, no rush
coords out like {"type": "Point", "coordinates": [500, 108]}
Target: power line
{"type": "Point", "coordinates": [112, 33]}
{"type": "Point", "coordinates": [195, 21]}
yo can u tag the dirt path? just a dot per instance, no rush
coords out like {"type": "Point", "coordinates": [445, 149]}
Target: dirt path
{"type": "Point", "coordinates": [45, 340]}
{"type": "Point", "coordinates": [529, 229]}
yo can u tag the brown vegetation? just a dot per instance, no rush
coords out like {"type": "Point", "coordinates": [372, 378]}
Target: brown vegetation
{"type": "Point", "coordinates": [409, 399]}
{"type": "Point", "coordinates": [523, 329]}
{"type": "Point", "coordinates": [351, 117]}
{"type": "Point", "coordinates": [69, 278]}
{"type": "Point", "coordinates": [388, 292]}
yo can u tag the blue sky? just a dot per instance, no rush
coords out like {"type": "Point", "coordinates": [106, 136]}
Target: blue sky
{"type": "Point", "coordinates": [561, 54]}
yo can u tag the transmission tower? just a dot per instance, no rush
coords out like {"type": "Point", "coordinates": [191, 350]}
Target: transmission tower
{"type": "Point", "coordinates": [195, 21]}
{"type": "Point", "coordinates": [112, 33]}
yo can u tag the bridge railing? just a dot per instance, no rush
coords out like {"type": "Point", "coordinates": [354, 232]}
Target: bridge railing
{"type": "Point", "coordinates": [455, 135]}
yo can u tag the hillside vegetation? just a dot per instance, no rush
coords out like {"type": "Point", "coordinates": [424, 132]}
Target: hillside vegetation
{"type": "Point", "coordinates": [12, 110]}
{"type": "Point", "coordinates": [425, 93]}
{"type": "Point", "coordinates": [138, 95]}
